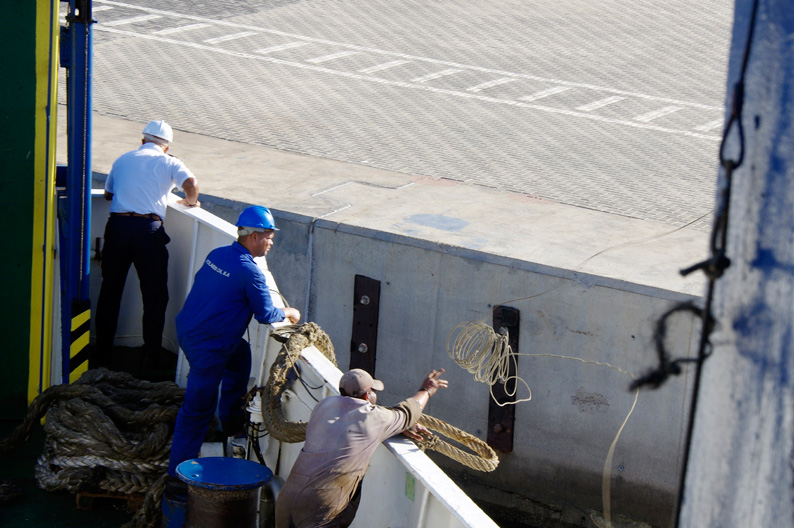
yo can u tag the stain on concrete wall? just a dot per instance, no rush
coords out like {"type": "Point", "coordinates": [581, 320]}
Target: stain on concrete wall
{"type": "Point", "coordinates": [589, 402]}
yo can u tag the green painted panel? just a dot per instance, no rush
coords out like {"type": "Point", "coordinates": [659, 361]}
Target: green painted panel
{"type": "Point", "coordinates": [17, 172]}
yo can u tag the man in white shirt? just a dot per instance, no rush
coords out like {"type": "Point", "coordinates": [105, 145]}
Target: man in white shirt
{"type": "Point", "coordinates": [138, 186]}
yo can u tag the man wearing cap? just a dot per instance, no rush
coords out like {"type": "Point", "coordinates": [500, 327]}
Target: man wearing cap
{"type": "Point", "coordinates": [228, 290]}
{"type": "Point", "coordinates": [324, 486]}
{"type": "Point", "coordinates": [137, 187]}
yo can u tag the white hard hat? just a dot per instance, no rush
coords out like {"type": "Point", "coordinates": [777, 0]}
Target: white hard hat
{"type": "Point", "coordinates": [158, 131]}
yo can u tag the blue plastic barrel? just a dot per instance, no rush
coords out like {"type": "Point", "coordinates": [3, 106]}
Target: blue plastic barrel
{"type": "Point", "coordinates": [222, 491]}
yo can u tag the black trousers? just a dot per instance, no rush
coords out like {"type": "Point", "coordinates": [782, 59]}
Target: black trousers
{"type": "Point", "coordinates": [139, 241]}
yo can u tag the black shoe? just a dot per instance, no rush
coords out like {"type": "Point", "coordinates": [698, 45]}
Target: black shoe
{"type": "Point", "coordinates": [175, 489]}
{"type": "Point", "coordinates": [236, 426]}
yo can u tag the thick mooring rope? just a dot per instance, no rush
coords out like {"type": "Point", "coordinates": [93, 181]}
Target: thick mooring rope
{"type": "Point", "coordinates": [308, 334]}
{"type": "Point", "coordinates": [484, 459]}
{"type": "Point", "coordinates": [106, 432]}
{"type": "Point", "coordinates": [297, 338]}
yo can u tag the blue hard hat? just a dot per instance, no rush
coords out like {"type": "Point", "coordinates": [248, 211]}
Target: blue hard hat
{"type": "Point", "coordinates": [256, 216]}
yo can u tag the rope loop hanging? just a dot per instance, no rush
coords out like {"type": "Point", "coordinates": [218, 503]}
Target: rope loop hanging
{"type": "Point", "coordinates": [298, 337]}
{"type": "Point", "coordinates": [482, 457]}
{"type": "Point", "coordinates": [714, 267]}
{"type": "Point", "coordinates": [294, 338]}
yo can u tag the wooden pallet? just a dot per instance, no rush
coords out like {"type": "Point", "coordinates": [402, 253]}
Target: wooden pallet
{"type": "Point", "coordinates": [85, 499]}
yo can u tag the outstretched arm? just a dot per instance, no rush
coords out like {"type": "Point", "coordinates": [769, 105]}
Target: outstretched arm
{"type": "Point", "coordinates": [430, 385]}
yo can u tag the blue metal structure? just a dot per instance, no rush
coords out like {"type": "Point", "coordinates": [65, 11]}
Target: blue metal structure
{"type": "Point", "coordinates": [75, 196]}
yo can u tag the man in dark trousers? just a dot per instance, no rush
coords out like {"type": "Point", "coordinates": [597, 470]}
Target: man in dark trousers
{"type": "Point", "coordinates": [228, 290]}
{"type": "Point", "coordinates": [138, 186]}
{"type": "Point", "coordinates": [324, 486]}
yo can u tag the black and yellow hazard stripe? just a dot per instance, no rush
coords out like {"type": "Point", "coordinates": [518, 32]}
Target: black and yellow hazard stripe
{"type": "Point", "coordinates": [78, 343]}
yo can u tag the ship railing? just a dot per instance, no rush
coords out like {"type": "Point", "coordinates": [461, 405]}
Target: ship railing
{"type": "Point", "coordinates": [403, 486]}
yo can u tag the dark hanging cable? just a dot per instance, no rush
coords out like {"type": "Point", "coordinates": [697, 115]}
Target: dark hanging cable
{"type": "Point", "coordinates": [718, 262]}
{"type": "Point", "coordinates": [713, 267]}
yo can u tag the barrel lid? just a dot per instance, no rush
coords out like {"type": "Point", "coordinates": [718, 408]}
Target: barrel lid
{"type": "Point", "coordinates": [224, 473]}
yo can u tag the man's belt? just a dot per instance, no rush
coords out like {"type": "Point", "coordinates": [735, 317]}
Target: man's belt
{"type": "Point", "coordinates": [147, 215]}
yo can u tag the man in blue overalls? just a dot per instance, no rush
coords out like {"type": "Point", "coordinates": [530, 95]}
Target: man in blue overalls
{"type": "Point", "coordinates": [228, 290]}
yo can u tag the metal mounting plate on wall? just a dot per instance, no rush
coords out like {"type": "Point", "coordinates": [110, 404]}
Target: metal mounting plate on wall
{"type": "Point", "coordinates": [366, 307]}
{"type": "Point", "coordinates": [501, 419]}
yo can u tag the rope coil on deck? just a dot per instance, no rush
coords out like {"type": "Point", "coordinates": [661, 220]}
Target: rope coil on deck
{"type": "Point", "coordinates": [108, 431]}
{"type": "Point", "coordinates": [310, 334]}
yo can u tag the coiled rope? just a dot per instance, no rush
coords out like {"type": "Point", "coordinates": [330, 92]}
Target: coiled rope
{"type": "Point", "coordinates": [298, 337]}
{"type": "Point", "coordinates": [108, 431]}
{"type": "Point", "coordinates": [295, 338]}
{"type": "Point", "coordinates": [484, 459]}
{"type": "Point", "coordinates": [487, 354]}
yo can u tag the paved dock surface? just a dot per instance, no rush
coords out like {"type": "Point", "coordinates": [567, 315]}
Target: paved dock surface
{"type": "Point", "coordinates": [577, 136]}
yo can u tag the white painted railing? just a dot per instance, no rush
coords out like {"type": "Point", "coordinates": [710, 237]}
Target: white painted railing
{"type": "Point", "coordinates": [403, 488]}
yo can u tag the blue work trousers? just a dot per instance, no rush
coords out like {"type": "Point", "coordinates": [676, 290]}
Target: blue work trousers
{"type": "Point", "coordinates": [201, 398]}
{"type": "Point", "coordinates": [140, 241]}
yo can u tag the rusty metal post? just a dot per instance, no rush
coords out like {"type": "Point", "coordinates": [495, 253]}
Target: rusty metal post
{"type": "Point", "coordinates": [501, 419]}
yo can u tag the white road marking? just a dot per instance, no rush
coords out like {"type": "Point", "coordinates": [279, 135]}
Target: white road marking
{"type": "Point", "coordinates": [600, 103]}
{"type": "Point", "coordinates": [711, 125]}
{"type": "Point", "coordinates": [436, 75]}
{"type": "Point", "coordinates": [545, 93]}
{"type": "Point", "coordinates": [467, 95]}
{"type": "Point", "coordinates": [133, 20]}
{"type": "Point", "coordinates": [384, 66]}
{"type": "Point", "coordinates": [232, 36]}
{"type": "Point", "coordinates": [416, 58]}
{"type": "Point", "coordinates": [171, 31]}
{"type": "Point", "coordinates": [332, 56]}
{"type": "Point", "coordinates": [489, 84]}
{"type": "Point", "coordinates": [650, 116]}
{"type": "Point", "coordinates": [288, 45]}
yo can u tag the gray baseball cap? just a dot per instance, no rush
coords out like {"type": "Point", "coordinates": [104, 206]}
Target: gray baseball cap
{"type": "Point", "coordinates": [356, 382]}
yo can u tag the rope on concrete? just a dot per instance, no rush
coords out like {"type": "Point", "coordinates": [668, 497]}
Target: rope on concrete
{"type": "Point", "coordinates": [298, 337]}
{"type": "Point", "coordinates": [107, 431]}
